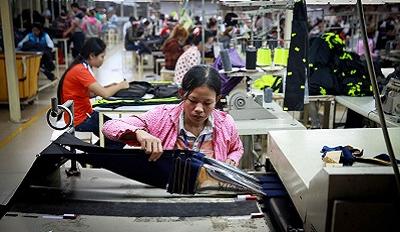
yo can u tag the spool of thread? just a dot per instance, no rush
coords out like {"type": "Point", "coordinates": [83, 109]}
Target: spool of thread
{"type": "Point", "coordinates": [251, 58]}
{"type": "Point", "coordinates": [226, 61]}
{"type": "Point", "coordinates": [264, 57]}
{"type": "Point", "coordinates": [268, 95]}
{"type": "Point", "coordinates": [281, 56]}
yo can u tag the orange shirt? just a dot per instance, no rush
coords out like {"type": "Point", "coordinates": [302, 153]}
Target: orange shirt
{"type": "Point", "coordinates": [76, 87]}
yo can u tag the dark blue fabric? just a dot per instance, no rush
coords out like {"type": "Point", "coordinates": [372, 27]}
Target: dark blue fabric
{"type": "Point", "coordinates": [132, 47]}
{"type": "Point", "coordinates": [91, 124]}
{"type": "Point", "coordinates": [272, 186]}
{"type": "Point", "coordinates": [385, 157]}
{"type": "Point", "coordinates": [346, 158]}
{"type": "Point", "coordinates": [131, 163]}
{"type": "Point", "coordinates": [184, 172]}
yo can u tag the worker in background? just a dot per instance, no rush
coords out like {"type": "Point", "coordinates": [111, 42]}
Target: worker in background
{"type": "Point", "coordinates": [77, 35]}
{"type": "Point", "coordinates": [127, 25]}
{"type": "Point", "coordinates": [61, 24]}
{"type": "Point", "coordinates": [173, 46]}
{"type": "Point", "coordinates": [192, 56]}
{"type": "Point", "coordinates": [79, 84]}
{"type": "Point", "coordinates": [194, 124]}
{"type": "Point", "coordinates": [265, 23]}
{"type": "Point", "coordinates": [90, 25]}
{"type": "Point", "coordinates": [38, 40]}
{"type": "Point", "coordinates": [135, 40]}
{"type": "Point", "coordinates": [360, 44]}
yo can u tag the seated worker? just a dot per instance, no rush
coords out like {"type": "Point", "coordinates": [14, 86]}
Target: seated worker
{"type": "Point", "coordinates": [192, 56]}
{"type": "Point", "coordinates": [134, 39]}
{"type": "Point", "coordinates": [173, 46]}
{"type": "Point", "coordinates": [79, 84]}
{"type": "Point", "coordinates": [40, 41]}
{"type": "Point", "coordinates": [193, 124]}
{"type": "Point", "coordinates": [90, 25]}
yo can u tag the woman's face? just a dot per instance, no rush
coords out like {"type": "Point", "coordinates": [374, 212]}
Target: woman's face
{"type": "Point", "coordinates": [199, 104]}
{"type": "Point", "coordinates": [36, 31]}
{"type": "Point", "coordinates": [96, 61]}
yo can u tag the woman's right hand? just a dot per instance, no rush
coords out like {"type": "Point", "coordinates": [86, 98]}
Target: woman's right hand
{"type": "Point", "coordinates": [149, 143]}
{"type": "Point", "coordinates": [124, 84]}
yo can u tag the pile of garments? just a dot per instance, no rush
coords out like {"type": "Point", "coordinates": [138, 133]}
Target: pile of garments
{"type": "Point", "coordinates": [162, 93]}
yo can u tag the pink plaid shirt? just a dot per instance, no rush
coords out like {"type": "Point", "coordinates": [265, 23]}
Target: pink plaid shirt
{"type": "Point", "coordinates": [163, 123]}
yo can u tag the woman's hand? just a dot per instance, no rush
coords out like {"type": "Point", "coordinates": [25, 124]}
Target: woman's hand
{"type": "Point", "coordinates": [149, 143]}
{"type": "Point", "coordinates": [231, 162]}
{"type": "Point", "coordinates": [123, 85]}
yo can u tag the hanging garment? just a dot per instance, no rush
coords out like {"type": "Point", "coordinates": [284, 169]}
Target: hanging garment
{"type": "Point", "coordinates": [297, 69]}
{"type": "Point", "coordinates": [334, 71]}
{"type": "Point", "coordinates": [184, 172]}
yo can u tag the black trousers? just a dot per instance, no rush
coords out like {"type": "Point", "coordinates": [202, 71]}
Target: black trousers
{"type": "Point", "coordinates": [78, 39]}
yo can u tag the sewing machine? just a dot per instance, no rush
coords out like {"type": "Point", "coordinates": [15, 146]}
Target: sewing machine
{"type": "Point", "coordinates": [391, 97]}
{"type": "Point", "coordinates": [241, 102]}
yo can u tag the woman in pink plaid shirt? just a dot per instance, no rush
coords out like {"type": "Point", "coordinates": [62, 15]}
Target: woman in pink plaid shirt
{"type": "Point", "coordinates": [193, 124]}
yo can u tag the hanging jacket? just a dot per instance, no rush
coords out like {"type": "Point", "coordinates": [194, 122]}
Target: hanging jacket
{"type": "Point", "coordinates": [334, 71]}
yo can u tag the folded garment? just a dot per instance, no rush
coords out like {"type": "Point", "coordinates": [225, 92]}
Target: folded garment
{"type": "Point", "coordinates": [113, 104]}
{"type": "Point", "coordinates": [137, 89]}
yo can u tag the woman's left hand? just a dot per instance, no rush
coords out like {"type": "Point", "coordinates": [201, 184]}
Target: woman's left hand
{"type": "Point", "coordinates": [231, 162]}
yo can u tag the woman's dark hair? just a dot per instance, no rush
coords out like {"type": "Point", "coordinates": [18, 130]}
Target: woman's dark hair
{"type": "Point", "coordinates": [93, 46]}
{"type": "Point", "coordinates": [76, 5]}
{"type": "Point", "coordinates": [200, 75]}
{"type": "Point", "coordinates": [197, 38]}
{"type": "Point", "coordinates": [38, 25]}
